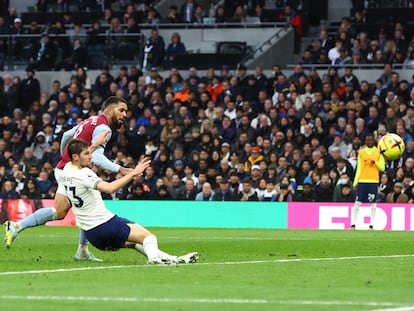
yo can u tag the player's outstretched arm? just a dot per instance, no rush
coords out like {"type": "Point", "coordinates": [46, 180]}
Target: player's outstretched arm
{"type": "Point", "coordinates": [111, 187]}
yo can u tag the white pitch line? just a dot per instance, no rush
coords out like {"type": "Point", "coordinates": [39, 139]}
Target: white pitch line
{"type": "Point", "coordinates": [72, 269]}
{"type": "Point", "coordinates": [212, 238]}
{"type": "Point", "coordinates": [206, 264]}
{"type": "Point", "coordinates": [408, 308]}
{"type": "Point", "coordinates": [207, 301]}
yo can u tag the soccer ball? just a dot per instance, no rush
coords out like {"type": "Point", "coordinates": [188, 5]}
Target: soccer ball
{"type": "Point", "coordinates": [391, 146]}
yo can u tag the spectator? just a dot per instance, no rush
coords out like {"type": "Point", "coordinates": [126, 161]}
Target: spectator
{"type": "Point", "coordinates": [18, 42]}
{"type": "Point", "coordinates": [79, 55]}
{"type": "Point", "coordinates": [269, 194]}
{"type": "Point", "coordinates": [95, 45]}
{"type": "Point", "coordinates": [10, 92]}
{"type": "Point", "coordinates": [326, 42]}
{"type": "Point", "coordinates": [284, 195]}
{"type": "Point", "coordinates": [39, 146]}
{"type": "Point", "coordinates": [29, 160]}
{"type": "Point", "coordinates": [253, 159]}
{"type": "Point", "coordinates": [43, 183]}
{"type": "Point", "coordinates": [175, 186]}
{"type": "Point", "coordinates": [132, 43]}
{"type": "Point", "coordinates": [324, 189]}
{"type": "Point", "coordinates": [189, 192]}
{"type": "Point", "coordinates": [188, 10]}
{"type": "Point", "coordinates": [4, 30]}
{"type": "Point", "coordinates": [156, 49]}
{"type": "Point", "coordinates": [385, 185]}
{"type": "Point", "coordinates": [173, 15]}
{"type": "Point", "coordinates": [77, 33]}
{"type": "Point", "coordinates": [225, 193]}
{"type": "Point", "coordinates": [8, 190]}
{"type": "Point", "coordinates": [30, 190]}
{"type": "Point", "coordinates": [199, 15]}
{"type": "Point", "coordinates": [61, 41]}
{"type": "Point", "coordinates": [163, 194]}
{"type": "Point", "coordinates": [176, 47]}
{"type": "Point", "coordinates": [29, 90]}
{"type": "Point", "coordinates": [333, 53]}
{"type": "Point", "coordinates": [306, 195]}
{"type": "Point", "coordinates": [206, 194]}
{"type": "Point", "coordinates": [115, 39]}
{"type": "Point", "coordinates": [139, 193]}
{"type": "Point", "coordinates": [153, 16]}
{"type": "Point", "coordinates": [294, 20]}
{"type": "Point", "coordinates": [346, 194]}
{"type": "Point", "coordinates": [343, 58]}
{"type": "Point", "coordinates": [397, 196]}
{"type": "Point", "coordinates": [247, 193]}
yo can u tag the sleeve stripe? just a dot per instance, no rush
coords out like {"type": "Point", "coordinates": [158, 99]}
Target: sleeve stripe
{"type": "Point", "coordinates": [96, 183]}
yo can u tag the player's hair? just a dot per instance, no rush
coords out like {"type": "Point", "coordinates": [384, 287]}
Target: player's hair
{"type": "Point", "coordinates": [112, 100]}
{"type": "Point", "coordinates": [76, 146]}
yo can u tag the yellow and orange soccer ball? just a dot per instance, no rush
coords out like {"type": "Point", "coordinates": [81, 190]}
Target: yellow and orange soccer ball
{"type": "Point", "coordinates": [391, 146]}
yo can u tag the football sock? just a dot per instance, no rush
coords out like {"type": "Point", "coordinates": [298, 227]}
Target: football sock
{"type": "Point", "coordinates": [161, 254]}
{"type": "Point", "coordinates": [355, 212]}
{"type": "Point", "coordinates": [164, 255]}
{"type": "Point", "coordinates": [140, 248]}
{"type": "Point", "coordinates": [83, 244]}
{"type": "Point", "coordinates": [373, 210]}
{"type": "Point", "coordinates": [40, 217]}
{"type": "Point", "coordinates": [150, 246]}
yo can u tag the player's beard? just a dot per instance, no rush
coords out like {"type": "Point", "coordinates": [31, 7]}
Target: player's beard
{"type": "Point", "coordinates": [117, 122]}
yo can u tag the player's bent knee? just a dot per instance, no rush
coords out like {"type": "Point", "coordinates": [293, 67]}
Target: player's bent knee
{"type": "Point", "coordinates": [138, 233]}
{"type": "Point", "coordinates": [62, 205]}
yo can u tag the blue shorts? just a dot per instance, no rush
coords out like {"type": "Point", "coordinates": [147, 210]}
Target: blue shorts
{"type": "Point", "coordinates": [111, 235]}
{"type": "Point", "coordinates": [367, 192]}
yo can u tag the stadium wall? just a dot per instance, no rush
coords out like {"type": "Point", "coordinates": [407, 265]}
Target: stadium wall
{"type": "Point", "coordinates": [265, 215]}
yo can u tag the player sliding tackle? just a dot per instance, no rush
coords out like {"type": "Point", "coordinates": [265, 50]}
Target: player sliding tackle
{"type": "Point", "coordinates": [96, 131]}
{"type": "Point", "coordinates": [113, 116]}
{"type": "Point", "coordinates": [105, 230]}
{"type": "Point", "coordinates": [43, 215]}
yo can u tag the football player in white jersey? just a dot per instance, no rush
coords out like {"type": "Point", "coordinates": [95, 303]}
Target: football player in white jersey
{"type": "Point", "coordinates": [93, 131]}
{"type": "Point", "coordinates": [105, 230]}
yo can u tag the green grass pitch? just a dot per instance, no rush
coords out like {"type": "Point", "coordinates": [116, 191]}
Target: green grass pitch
{"type": "Point", "coordinates": [239, 269]}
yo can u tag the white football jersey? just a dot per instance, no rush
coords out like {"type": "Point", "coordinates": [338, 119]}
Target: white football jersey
{"type": "Point", "coordinates": [87, 204]}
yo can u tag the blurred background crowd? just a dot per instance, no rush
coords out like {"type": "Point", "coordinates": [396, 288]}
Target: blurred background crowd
{"type": "Point", "coordinates": [233, 134]}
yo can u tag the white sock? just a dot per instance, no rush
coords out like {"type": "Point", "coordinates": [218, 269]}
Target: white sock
{"type": "Point", "coordinates": [164, 255]}
{"type": "Point", "coordinates": [82, 250]}
{"type": "Point", "coordinates": [355, 212]}
{"type": "Point", "coordinates": [161, 254]}
{"type": "Point", "coordinates": [373, 210]}
{"type": "Point", "coordinates": [150, 246]}
{"type": "Point", "coordinates": [140, 248]}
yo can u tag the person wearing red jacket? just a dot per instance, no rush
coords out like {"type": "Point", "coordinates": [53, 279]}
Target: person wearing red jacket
{"type": "Point", "coordinates": [293, 20]}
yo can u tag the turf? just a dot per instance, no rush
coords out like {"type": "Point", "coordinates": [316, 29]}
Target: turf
{"type": "Point", "coordinates": [237, 270]}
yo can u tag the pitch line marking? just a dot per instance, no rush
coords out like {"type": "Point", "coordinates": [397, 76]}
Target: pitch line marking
{"type": "Point", "coordinates": [57, 236]}
{"type": "Point", "coordinates": [205, 264]}
{"type": "Point", "coordinates": [394, 306]}
{"type": "Point", "coordinates": [397, 309]}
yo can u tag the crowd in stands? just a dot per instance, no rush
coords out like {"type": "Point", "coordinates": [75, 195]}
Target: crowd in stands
{"type": "Point", "coordinates": [215, 137]}
{"type": "Point", "coordinates": [224, 135]}
{"type": "Point", "coordinates": [355, 45]}
{"type": "Point", "coordinates": [67, 44]}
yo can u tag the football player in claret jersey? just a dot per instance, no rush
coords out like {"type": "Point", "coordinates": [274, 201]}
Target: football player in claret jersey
{"type": "Point", "coordinates": [105, 230]}
{"type": "Point", "coordinates": [97, 131]}
{"type": "Point", "coordinates": [370, 163]}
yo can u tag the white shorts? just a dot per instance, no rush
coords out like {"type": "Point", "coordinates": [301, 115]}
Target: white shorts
{"type": "Point", "coordinates": [58, 177]}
